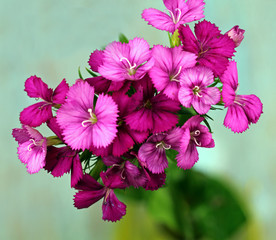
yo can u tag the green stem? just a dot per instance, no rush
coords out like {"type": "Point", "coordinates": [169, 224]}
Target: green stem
{"type": "Point", "coordinates": [97, 169]}
{"type": "Point", "coordinates": [53, 140]}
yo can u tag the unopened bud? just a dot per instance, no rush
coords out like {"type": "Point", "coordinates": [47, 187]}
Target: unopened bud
{"type": "Point", "coordinates": [236, 34]}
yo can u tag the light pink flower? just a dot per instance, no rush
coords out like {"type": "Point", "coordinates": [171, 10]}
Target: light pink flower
{"type": "Point", "coordinates": [194, 89]}
{"type": "Point", "coordinates": [32, 148]}
{"type": "Point", "coordinates": [179, 12]}
{"type": "Point", "coordinates": [85, 125]}
{"type": "Point", "coordinates": [242, 109]}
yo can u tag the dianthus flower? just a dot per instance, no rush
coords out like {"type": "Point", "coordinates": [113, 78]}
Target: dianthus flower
{"type": "Point", "coordinates": [126, 61]}
{"type": "Point", "coordinates": [242, 109]}
{"type": "Point", "coordinates": [32, 147]}
{"type": "Point", "coordinates": [40, 112]}
{"type": "Point", "coordinates": [194, 89]}
{"type": "Point", "coordinates": [169, 63]}
{"type": "Point", "coordinates": [212, 48]}
{"type": "Point", "coordinates": [85, 125]}
{"type": "Point", "coordinates": [194, 135]}
{"type": "Point", "coordinates": [180, 12]}
{"type": "Point", "coordinates": [90, 191]}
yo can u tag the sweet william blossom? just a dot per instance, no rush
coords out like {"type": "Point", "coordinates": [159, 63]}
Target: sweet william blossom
{"type": "Point", "coordinates": [84, 125]}
{"type": "Point", "coordinates": [194, 135]}
{"type": "Point", "coordinates": [126, 61]}
{"type": "Point", "coordinates": [242, 109]}
{"type": "Point", "coordinates": [194, 89]}
{"type": "Point", "coordinates": [179, 12]}
{"type": "Point", "coordinates": [40, 112]}
{"type": "Point", "coordinates": [90, 191]}
{"type": "Point", "coordinates": [32, 148]}
{"type": "Point", "coordinates": [212, 48]}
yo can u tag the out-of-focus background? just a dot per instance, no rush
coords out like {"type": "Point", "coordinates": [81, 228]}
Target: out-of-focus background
{"type": "Point", "coordinates": [53, 38]}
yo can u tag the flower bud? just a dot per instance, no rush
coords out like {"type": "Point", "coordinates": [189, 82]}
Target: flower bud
{"type": "Point", "coordinates": [236, 34]}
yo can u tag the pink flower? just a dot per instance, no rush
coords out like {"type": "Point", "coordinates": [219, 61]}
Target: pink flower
{"type": "Point", "coordinates": [85, 125]}
{"type": "Point", "coordinates": [180, 12]}
{"type": "Point", "coordinates": [236, 34]}
{"type": "Point", "coordinates": [169, 63]}
{"type": "Point", "coordinates": [153, 151]}
{"type": "Point", "coordinates": [126, 61]}
{"type": "Point", "coordinates": [155, 113]}
{"type": "Point", "coordinates": [242, 109]}
{"type": "Point", "coordinates": [32, 148]}
{"type": "Point", "coordinates": [212, 48]}
{"type": "Point", "coordinates": [194, 89]}
{"type": "Point", "coordinates": [40, 112]}
{"type": "Point", "coordinates": [194, 135]}
{"type": "Point", "coordinates": [90, 191]}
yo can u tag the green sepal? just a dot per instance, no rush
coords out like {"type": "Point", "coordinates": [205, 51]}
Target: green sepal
{"type": "Point", "coordinates": [91, 72]}
{"type": "Point", "coordinates": [80, 76]}
{"type": "Point", "coordinates": [123, 38]}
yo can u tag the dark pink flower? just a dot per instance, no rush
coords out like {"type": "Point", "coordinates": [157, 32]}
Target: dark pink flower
{"type": "Point", "coordinates": [96, 60]}
{"type": "Point", "coordinates": [90, 191]}
{"type": "Point", "coordinates": [127, 172]}
{"type": "Point", "coordinates": [169, 63]}
{"type": "Point", "coordinates": [194, 89]}
{"type": "Point", "coordinates": [179, 12]}
{"type": "Point", "coordinates": [126, 61]}
{"type": "Point", "coordinates": [242, 109]}
{"type": "Point", "coordinates": [40, 112]}
{"type": "Point", "coordinates": [153, 151]}
{"type": "Point", "coordinates": [85, 125]}
{"type": "Point", "coordinates": [236, 34]}
{"type": "Point", "coordinates": [32, 148]}
{"type": "Point", "coordinates": [212, 48]}
{"type": "Point", "coordinates": [194, 135]}
{"type": "Point", "coordinates": [156, 113]}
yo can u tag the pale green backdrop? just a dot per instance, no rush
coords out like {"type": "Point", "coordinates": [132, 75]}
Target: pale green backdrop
{"type": "Point", "coordinates": [52, 38]}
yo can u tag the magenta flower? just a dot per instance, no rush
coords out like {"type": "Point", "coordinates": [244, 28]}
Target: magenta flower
{"type": "Point", "coordinates": [155, 113]}
{"type": "Point", "coordinates": [85, 126]}
{"type": "Point", "coordinates": [126, 137]}
{"type": "Point", "coordinates": [126, 61]}
{"type": "Point", "coordinates": [194, 135]}
{"type": "Point", "coordinates": [242, 109]}
{"type": "Point", "coordinates": [32, 148]}
{"type": "Point", "coordinates": [212, 48]}
{"type": "Point", "coordinates": [90, 191]}
{"type": "Point", "coordinates": [153, 151]}
{"type": "Point", "coordinates": [236, 34]}
{"type": "Point", "coordinates": [179, 12]}
{"type": "Point", "coordinates": [40, 112]}
{"type": "Point", "coordinates": [194, 89]}
{"type": "Point", "coordinates": [129, 173]}
{"type": "Point", "coordinates": [169, 63]}
{"type": "Point", "coordinates": [64, 159]}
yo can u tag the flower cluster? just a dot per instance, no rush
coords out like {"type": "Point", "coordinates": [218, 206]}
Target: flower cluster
{"type": "Point", "coordinates": [115, 129]}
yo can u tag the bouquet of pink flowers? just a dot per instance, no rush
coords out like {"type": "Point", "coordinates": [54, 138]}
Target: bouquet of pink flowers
{"type": "Point", "coordinates": [115, 129]}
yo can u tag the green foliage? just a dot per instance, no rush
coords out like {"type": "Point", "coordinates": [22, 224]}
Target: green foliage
{"type": "Point", "coordinates": [192, 205]}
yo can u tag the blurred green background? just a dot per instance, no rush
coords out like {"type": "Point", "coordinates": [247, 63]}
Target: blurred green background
{"type": "Point", "coordinates": [53, 38]}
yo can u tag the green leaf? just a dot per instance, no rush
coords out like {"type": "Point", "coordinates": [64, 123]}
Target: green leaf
{"type": "Point", "coordinates": [97, 169]}
{"type": "Point", "coordinates": [123, 38]}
